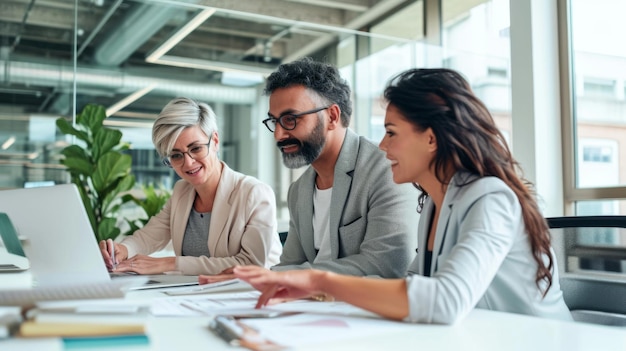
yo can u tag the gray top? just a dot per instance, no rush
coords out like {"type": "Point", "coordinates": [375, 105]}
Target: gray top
{"type": "Point", "coordinates": [197, 234]}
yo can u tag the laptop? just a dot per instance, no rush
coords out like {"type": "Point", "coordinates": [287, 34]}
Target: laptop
{"type": "Point", "coordinates": [60, 243]}
{"type": "Point", "coordinates": [12, 258]}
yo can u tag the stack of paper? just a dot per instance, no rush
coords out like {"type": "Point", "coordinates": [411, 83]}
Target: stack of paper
{"type": "Point", "coordinates": [56, 329]}
{"type": "Point", "coordinates": [102, 290]}
{"type": "Point", "coordinates": [88, 323]}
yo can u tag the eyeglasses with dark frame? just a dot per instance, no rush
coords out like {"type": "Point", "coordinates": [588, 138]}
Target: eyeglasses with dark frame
{"type": "Point", "coordinates": [288, 120]}
{"type": "Point", "coordinates": [195, 152]}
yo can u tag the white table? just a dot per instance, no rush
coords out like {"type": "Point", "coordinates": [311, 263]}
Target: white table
{"type": "Point", "coordinates": [481, 330]}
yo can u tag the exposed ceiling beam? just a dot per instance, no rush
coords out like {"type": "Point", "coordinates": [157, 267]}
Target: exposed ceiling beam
{"type": "Point", "coordinates": [274, 10]}
{"type": "Point", "coordinates": [130, 99]}
{"type": "Point", "coordinates": [211, 65]}
{"type": "Point", "coordinates": [377, 11]}
{"type": "Point", "coordinates": [134, 30]}
{"type": "Point", "coordinates": [343, 5]}
{"type": "Point", "coordinates": [180, 34]}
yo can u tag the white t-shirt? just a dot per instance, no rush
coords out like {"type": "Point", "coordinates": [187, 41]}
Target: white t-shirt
{"type": "Point", "coordinates": [321, 223]}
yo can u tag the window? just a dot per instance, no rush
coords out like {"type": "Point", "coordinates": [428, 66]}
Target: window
{"type": "Point", "coordinates": [599, 88]}
{"type": "Point", "coordinates": [475, 38]}
{"type": "Point", "coordinates": [597, 154]}
{"type": "Point", "coordinates": [598, 162]}
{"type": "Point", "coordinates": [599, 70]}
{"type": "Point", "coordinates": [595, 177]}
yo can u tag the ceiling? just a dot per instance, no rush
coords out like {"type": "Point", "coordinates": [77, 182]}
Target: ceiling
{"type": "Point", "coordinates": [140, 54]}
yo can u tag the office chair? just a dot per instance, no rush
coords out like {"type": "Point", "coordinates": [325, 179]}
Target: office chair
{"type": "Point", "coordinates": [589, 266]}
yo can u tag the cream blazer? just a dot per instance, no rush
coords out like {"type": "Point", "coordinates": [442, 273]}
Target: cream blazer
{"type": "Point", "coordinates": [243, 227]}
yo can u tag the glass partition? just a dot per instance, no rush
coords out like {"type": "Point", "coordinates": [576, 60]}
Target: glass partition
{"type": "Point", "coordinates": [133, 56]}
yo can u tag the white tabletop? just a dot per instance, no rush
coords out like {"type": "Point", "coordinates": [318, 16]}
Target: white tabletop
{"type": "Point", "coordinates": [480, 330]}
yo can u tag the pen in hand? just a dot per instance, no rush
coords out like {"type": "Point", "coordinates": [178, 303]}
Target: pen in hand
{"type": "Point", "coordinates": [111, 247]}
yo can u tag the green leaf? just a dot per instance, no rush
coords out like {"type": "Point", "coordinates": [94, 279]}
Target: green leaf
{"type": "Point", "coordinates": [75, 151]}
{"type": "Point", "coordinates": [127, 183]}
{"type": "Point", "coordinates": [134, 225]}
{"type": "Point", "coordinates": [99, 169]}
{"type": "Point", "coordinates": [128, 198]}
{"type": "Point", "coordinates": [107, 229]}
{"type": "Point", "coordinates": [112, 202]}
{"type": "Point", "coordinates": [123, 146]}
{"type": "Point", "coordinates": [154, 201]}
{"type": "Point", "coordinates": [77, 161]}
{"type": "Point", "coordinates": [78, 166]}
{"type": "Point", "coordinates": [66, 128]}
{"type": "Point", "coordinates": [92, 117]}
{"type": "Point", "coordinates": [110, 167]}
{"type": "Point", "coordinates": [104, 141]}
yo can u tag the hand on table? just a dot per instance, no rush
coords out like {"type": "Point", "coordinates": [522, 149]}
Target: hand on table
{"type": "Point", "coordinates": [142, 264]}
{"type": "Point", "coordinates": [278, 286]}
{"type": "Point", "coordinates": [226, 274]}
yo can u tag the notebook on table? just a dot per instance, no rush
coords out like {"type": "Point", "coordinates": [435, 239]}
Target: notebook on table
{"type": "Point", "coordinates": [60, 243]}
{"type": "Point", "coordinates": [12, 257]}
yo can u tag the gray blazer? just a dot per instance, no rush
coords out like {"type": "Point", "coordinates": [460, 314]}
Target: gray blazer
{"type": "Point", "coordinates": [481, 258]}
{"type": "Point", "coordinates": [372, 219]}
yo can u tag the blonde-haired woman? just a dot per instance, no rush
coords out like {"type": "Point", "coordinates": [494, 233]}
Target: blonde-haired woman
{"type": "Point", "coordinates": [216, 218]}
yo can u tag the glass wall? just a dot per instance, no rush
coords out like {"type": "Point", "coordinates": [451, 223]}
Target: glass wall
{"type": "Point", "coordinates": [133, 56]}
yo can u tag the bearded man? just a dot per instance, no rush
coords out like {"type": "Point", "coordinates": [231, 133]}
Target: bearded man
{"type": "Point", "coordinates": [346, 213]}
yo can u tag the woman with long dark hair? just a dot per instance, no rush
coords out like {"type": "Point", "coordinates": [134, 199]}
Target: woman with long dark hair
{"type": "Point", "coordinates": [482, 239]}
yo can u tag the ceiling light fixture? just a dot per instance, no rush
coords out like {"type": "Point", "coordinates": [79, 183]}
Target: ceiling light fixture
{"type": "Point", "coordinates": [180, 35]}
{"type": "Point", "coordinates": [129, 99]}
{"type": "Point", "coordinates": [128, 124]}
{"type": "Point", "coordinates": [7, 144]}
{"type": "Point", "coordinates": [211, 65]}
{"type": "Point", "coordinates": [267, 52]}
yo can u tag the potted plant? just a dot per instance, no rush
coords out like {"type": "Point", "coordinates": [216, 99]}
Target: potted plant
{"type": "Point", "coordinates": [154, 200]}
{"type": "Point", "coordinates": [99, 168]}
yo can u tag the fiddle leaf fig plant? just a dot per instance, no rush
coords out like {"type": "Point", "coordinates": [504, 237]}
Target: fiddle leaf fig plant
{"type": "Point", "coordinates": [99, 168]}
{"type": "Point", "coordinates": [152, 204]}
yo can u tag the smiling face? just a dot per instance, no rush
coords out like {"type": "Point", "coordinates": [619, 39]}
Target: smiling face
{"type": "Point", "coordinates": [197, 171]}
{"type": "Point", "coordinates": [410, 150]}
{"type": "Point", "coordinates": [303, 144]}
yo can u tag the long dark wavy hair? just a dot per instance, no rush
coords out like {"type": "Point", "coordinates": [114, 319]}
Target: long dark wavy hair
{"type": "Point", "coordinates": [468, 140]}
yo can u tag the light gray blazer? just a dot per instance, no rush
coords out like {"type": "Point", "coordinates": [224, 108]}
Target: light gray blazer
{"type": "Point", "coordinates": [481, 258]}
{"type": "Point", "coordinates": [242, 230]}
{"type": "Point", "coordinates": [372, 219]}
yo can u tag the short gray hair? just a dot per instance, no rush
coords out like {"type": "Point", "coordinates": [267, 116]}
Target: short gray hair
{"type": "Point", "coordinates": [178, 114]}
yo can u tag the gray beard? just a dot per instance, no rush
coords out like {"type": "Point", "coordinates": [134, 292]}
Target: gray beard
{"type": "Point", "coordinates": [296, 160]}
{"type": "Point", "coordinates": [310, 149]}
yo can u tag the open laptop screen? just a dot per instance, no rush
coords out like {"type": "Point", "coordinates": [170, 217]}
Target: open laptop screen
{"type": "Point", "coordinates": [60, 242]}
{"type": "Point", "coordinates": [15, 259]}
